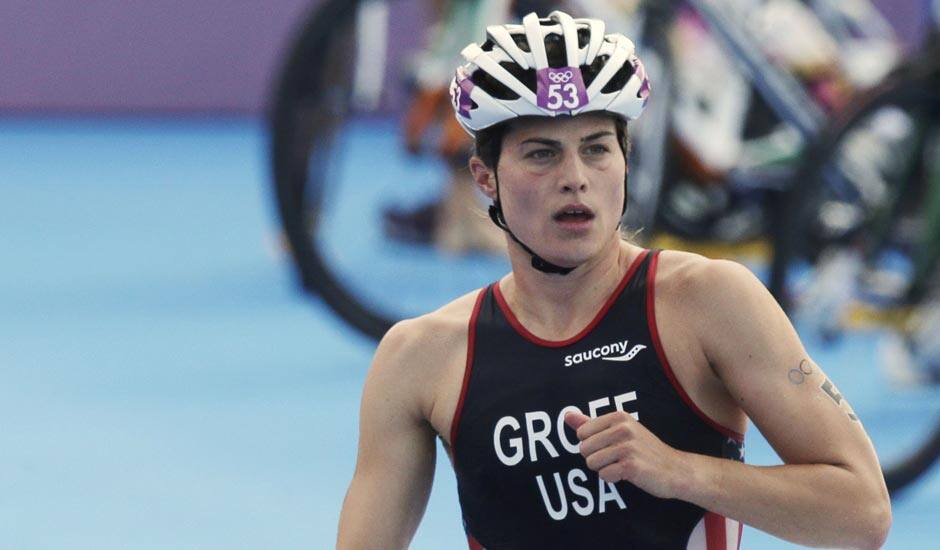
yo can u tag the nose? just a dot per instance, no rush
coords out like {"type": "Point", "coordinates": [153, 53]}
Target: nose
{"type": "Point", "coordinates": [574, 175]}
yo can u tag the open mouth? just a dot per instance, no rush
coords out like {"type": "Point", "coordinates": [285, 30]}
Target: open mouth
{"type": "Point", "coordinates": [574, 214]}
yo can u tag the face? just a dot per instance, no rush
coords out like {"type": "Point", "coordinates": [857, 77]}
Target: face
{"type": "Point", "coordinates": [560, 185]}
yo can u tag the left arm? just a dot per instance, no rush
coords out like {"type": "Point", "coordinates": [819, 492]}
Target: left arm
{"type": "Point", "coordinates": [829, 492]}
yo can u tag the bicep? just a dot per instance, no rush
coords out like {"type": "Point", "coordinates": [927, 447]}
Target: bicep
{"type": "Point", "coordinates": [395, 464]}
{"type": "Point", "coordinates": [758, 355]}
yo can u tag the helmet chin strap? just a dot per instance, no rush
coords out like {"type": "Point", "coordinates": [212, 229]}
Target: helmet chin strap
{"type": "Point", "coordinates": [539, 263]}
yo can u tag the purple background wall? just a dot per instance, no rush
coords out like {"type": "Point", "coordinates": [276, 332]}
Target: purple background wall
{"type": "Point", "coordinates": [129, 55]}
{"type": "Point", "coordinates": [171, 56]}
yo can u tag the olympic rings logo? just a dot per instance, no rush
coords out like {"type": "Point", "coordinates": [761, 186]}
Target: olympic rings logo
{"type": "Point", "coordinates": [560, 77]}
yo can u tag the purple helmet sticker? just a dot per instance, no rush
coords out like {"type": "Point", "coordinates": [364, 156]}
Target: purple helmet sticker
{"type": "Point", "coordinates": [460, 95]}
{"type": "Point", "coordinates": [560, 89]}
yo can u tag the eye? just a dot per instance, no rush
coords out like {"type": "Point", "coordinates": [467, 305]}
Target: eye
{"type": "Point", "coordinates": [596, 149]}
{"type": "Point", "coordinates": [541, 154]}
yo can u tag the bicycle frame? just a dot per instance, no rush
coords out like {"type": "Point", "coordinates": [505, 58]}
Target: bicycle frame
{"type": "Point", "coordinates": [786, 96]}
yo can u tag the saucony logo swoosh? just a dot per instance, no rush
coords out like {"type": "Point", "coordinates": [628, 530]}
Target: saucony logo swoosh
{"type": "Point", "coordinates": [604, 352]}
{"type": "Point", "coordinates": [627, 356]}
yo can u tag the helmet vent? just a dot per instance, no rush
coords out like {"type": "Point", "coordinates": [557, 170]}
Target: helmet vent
{"type": "Point", "coordinates": [590, 72]}
{"type": "Point", "coordinates": [619, 80]}
{"type": "Point", "coordinates": [555, 51]}
{"type": "Point", "coordinates": [499, 90]}
{"type": "Point", "coordinates": [584, 37]}
{"type": "Point", "coordinates": [522, 42]}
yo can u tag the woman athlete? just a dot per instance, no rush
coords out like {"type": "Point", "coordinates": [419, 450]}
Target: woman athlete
{"type": "Point", "coordinates": [597, 395]}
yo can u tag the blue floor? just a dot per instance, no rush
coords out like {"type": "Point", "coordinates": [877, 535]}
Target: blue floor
{"type": "Point", "coordinates": [163, 383]}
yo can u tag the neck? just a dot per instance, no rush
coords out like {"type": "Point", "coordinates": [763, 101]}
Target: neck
{"type": "Point", "coordinates": [557, 307]}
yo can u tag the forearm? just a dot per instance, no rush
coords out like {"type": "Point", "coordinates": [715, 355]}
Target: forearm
{"type": "Point", "coordinates": [363, 527]}
{"type": "Point", "coordinates": [370, 519]}
{"type": "Point", "coordinates": [809, 504]}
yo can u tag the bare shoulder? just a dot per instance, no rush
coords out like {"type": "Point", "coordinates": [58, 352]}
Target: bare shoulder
{"type": "Point", "coordinates": [721, 303]}
{"type": "Point", "coordinates": [701, 282]}
{"type": "Point", "coordinates": [416, 355]}
{"type": "Point", "coordinates": [432, 333]}
{"type": "Point", "coordinates": [728, 310]}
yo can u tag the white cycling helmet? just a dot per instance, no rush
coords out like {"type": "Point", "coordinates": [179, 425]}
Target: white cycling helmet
{"type": "Point", "coordinates": [548, 67]}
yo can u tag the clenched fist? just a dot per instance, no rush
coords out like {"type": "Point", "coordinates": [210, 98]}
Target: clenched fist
{"type": "Point", "coordinates": [619, 448]}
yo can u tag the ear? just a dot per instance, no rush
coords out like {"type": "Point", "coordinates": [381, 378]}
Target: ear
{"type": "Point", "coordinates": [484, 177]}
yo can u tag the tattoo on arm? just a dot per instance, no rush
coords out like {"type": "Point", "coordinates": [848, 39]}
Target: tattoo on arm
{"type": "Point", "coordinates": [798, 375]}
{"type": "Point", "coordinates": [830, 390]}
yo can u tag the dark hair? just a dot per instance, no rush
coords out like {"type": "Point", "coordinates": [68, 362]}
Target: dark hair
{"type": "Point", "coordinates": [488, 143]}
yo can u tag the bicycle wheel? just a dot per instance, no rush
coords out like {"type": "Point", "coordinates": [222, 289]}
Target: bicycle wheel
{"type": "Point", "coordinates": [340, 166]}
{"type": "Point", "coordinates": [857, 264]}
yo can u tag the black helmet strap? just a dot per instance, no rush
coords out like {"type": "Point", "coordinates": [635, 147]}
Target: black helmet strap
{"type": "Point", "coordinates": [538, 262]}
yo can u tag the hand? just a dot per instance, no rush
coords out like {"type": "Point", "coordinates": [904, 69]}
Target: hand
{"type": "Point", "coordinates": [619, 448]}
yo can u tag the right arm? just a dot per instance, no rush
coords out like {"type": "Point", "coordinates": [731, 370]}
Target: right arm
{"type": "Point", "coordinates": [395, 467]}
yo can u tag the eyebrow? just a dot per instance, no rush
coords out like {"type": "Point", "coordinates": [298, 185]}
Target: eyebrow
{"type": "Point", "coordinates": [597, 135]}
{"type": "Point", "coordinates": [557, 144]}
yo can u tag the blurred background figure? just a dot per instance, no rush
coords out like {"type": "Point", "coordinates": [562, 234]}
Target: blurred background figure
{"type": "Point", "coordinates": [450, 221]}
{"type": "Point", "coordinates": [168, 175]}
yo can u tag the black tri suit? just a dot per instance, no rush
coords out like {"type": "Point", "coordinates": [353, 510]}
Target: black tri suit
{"type": "Point", "coordinates": [522, 482]}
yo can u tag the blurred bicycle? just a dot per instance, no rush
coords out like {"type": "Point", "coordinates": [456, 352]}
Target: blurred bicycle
{"type": "Point", "coordinates": [320, 117]}
{"type": "Point", "coordinates": [339, 162]}
{"type": "Point", "coordinates": [862, 258]}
